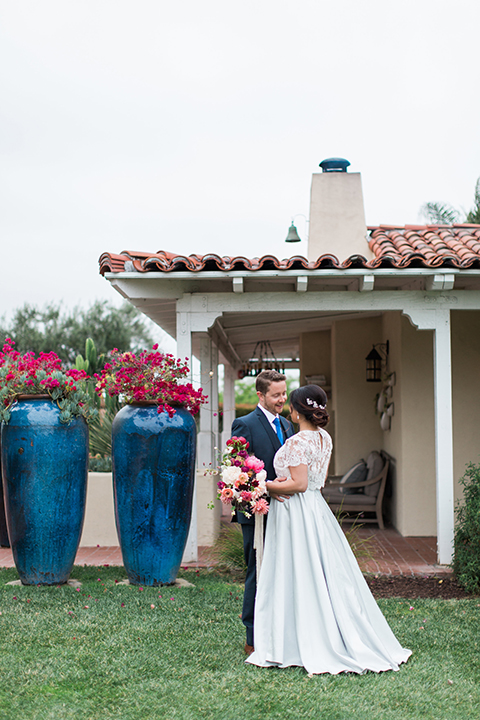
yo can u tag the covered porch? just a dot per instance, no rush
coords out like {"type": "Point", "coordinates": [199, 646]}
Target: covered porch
{"type": "Point", "coordinates": [324, 322]}
{"type": "Point", "coordinates": [417, 287]}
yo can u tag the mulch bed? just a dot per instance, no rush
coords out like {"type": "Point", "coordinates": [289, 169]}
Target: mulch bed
{"type": "Point", "coordinates": [416, 587]}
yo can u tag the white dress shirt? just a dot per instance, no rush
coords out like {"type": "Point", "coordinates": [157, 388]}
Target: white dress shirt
{"type": "Point", "coordinates": [270, 417]}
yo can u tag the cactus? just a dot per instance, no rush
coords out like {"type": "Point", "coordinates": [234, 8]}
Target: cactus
{"type": "Point", "coordinates": [91, 363]}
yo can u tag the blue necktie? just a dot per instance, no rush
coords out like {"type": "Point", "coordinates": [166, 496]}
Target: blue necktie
{"type": "Point", "coordinates": [279, 430]}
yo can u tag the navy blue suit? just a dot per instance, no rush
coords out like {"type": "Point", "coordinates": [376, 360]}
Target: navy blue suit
{"type": "Point", "coordinates": [264, 443]}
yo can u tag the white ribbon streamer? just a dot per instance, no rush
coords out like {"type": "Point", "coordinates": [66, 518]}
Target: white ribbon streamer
{"type": "Point", "coordinates": [258, 541]}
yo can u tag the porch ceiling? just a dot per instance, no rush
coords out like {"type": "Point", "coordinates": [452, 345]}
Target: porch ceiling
{"type": "Point", "coordinates": [282, 329]}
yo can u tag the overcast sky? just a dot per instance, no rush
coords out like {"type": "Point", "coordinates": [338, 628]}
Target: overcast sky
{"type": "Point", "coordinates": [196, 126]}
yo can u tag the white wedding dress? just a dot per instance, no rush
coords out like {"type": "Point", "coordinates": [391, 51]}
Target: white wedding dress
{"type": "Point", "coordinates": [313, 607]}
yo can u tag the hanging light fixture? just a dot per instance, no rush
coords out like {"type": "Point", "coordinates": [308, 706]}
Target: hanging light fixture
{"type": "Point", "coordinates": [376, 362]}
{"type": "Point", "coordinates": [263, 358]}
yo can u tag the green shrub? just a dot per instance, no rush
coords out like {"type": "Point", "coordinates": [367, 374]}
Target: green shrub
{"type": "Point", "coordinates": [466, 558]}
{"type": "Point", "coordinates": [228, 549]}
{"type": "Point", "coordinates": [100, 464]}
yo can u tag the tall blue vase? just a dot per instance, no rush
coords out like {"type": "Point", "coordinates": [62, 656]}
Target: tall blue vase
{"type": "Point", "coordinates": [45, 469]}
{"type": "Point", "coordinates": [153, 476]}
{"type": "Point", "coordinates": [4, 541]}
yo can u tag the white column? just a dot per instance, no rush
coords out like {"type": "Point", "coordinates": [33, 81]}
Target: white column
{"type": "Point", "coordinates": [184, 350]}
{"type": "Point", "coordinates": [214, 399]}
{"type": "Point", "coordinates": [184, 337]}
{"type": "Point", "coordinates": [206, 439]}
{"type": "Point", "coordinates": [228, 402]}
{"type": "Point", "coordinates": [444, 436]}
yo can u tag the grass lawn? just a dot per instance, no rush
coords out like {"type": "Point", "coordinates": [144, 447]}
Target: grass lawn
{"type": "Point", "coordinates": [114, 651]}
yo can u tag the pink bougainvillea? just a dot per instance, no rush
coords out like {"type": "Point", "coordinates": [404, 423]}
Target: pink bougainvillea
{"type": "Point", "coordinates": [28, 374]}
{"type": "Point", "coordinates": [150, 375]}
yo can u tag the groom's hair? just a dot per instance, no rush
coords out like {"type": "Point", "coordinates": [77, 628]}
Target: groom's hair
{"type": "Point", "coordinates": [265, 379]}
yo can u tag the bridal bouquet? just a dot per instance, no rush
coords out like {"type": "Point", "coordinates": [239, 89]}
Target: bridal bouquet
{"type": "Point", "coordinates": [243, 484]}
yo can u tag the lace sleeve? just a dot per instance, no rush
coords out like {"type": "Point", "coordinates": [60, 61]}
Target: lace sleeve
{"type": "Point", "coordinates": [297, 451]}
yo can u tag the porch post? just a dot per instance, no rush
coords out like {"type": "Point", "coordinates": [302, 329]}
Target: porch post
{"type": "Point", "coordinates": [184, 350]}
{"type": "Point", "coordinates": [214, 402]}
{"type": "Point", "coordinates": [184, 338]}
{"type": "Point", "coordinates": [444, 436]}
{"type": "Point", "coordinates": [228, 401]}
{"type": "Point", "coordinates": [206, 440]}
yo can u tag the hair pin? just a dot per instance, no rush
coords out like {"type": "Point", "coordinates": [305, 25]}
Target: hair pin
{"type": "Point", "coordinates": [314, 404]}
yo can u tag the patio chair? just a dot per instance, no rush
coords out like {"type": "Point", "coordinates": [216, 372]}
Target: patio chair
{"type": "Point", "coordinates": [367, 496]}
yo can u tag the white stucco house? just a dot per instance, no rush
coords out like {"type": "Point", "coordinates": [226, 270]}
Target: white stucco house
{"type": "Point", "coordinates": [417, 287]}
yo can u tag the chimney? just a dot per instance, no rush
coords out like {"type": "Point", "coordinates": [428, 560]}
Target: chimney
{"type": "Point", "coordinates": [337, 216]}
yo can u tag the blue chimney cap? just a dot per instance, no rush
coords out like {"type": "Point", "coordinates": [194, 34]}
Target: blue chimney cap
{"type": "Point", "coordinates": [334, 165]}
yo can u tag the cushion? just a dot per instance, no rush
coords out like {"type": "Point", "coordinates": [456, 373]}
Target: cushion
{"type": "Point", "coordinates": [375, 465]}
{"type": "Point", "coordinates": [336, 498]}
{"type": "Point", "coordinates": [357, 473]}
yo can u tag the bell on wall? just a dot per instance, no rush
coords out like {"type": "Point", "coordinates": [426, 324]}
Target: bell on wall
{"type": "Point", "coordinates": [292, 234]}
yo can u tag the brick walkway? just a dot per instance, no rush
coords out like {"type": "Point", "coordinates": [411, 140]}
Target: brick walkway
{"type": "Point", "coordinates": [392, 555]}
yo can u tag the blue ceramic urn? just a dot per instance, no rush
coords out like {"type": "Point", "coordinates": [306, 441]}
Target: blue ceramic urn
{"type": "Point", "coordinates": [153, 477]}
{"type": "Point", "coordinates": [45, 469]}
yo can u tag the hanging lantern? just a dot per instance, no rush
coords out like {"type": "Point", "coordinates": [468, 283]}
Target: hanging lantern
{"type": "Point", "coordinates": [374, 366]}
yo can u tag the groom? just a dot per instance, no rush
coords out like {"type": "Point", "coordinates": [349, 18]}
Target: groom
{"type": "Point", "coordinates": [266, 431]}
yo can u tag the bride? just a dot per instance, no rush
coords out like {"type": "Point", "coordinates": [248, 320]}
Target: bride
{"type": "Point", "coordinates": [313, 607]}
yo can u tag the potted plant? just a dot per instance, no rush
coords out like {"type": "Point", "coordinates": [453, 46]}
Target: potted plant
{"type": "Point", "coordinates": [44, 438]}
{"type": "Point", "coordinates": [153, 458]}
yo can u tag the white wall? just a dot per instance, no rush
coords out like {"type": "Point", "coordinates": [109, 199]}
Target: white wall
{"type": "Point", "coordinates": [466, 391]}
{"type": "Point", "coordinates": [357, 430]}
{"type": "Point", "coordinates": [411, 440]}
{"type": "Point", "coordinates": [99, 526]}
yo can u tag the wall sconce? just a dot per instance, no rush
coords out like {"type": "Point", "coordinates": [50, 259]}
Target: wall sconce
{"type": "Point", "coordinates": [376, 360]}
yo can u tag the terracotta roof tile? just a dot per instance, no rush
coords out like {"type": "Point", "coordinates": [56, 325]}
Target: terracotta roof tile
{"type": "Point", "coordinates": [394, 247]}
{"type": "Point", "coordinates": [434, 246]}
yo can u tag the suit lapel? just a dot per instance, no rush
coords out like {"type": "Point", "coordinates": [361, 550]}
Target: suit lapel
{"type": "Point", "coordinates": [268, 428]}
{"type": "Point", "coordinates": [287, 428]}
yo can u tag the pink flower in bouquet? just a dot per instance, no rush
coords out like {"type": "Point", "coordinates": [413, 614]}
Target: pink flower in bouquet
{"type": "Point", "coordinates": [253, 463]}
{"type": "Point", "coordinates": [260, 507]}
{"type": "Point", "coordinates": [245, 495]}
{"type": "Point", "coordinates": [226, 495]}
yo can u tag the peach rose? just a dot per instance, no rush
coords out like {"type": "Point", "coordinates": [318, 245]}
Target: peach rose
{"type": "Point", "coordinates": [226, 495]}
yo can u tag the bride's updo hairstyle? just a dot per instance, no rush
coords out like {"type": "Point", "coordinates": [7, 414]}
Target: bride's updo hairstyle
{"type": "Point", "coordinates": [311, 401]}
